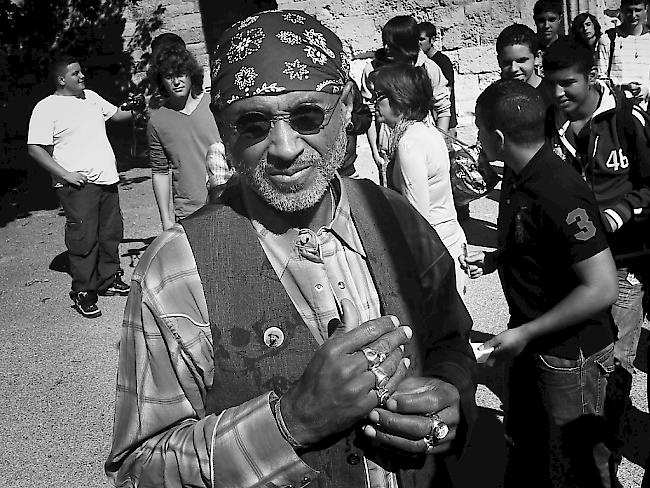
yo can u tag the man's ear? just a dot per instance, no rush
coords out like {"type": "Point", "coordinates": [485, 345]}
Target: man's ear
{"type": "Point", "coordinates": [500, 139]}
{"type": "Point", "coordinates": [593, 75]}
{"type": "Point", "coordinates": [347, 99]}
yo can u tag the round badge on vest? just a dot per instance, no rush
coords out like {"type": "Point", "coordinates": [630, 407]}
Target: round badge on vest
{"type": "Point", "coordinates": [273, 337]}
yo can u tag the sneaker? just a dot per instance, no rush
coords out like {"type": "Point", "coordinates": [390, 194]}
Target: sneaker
{"type": "Point", "coordinates": [118, 287]}
{"type": "Point", "coordinates": [85, 304]}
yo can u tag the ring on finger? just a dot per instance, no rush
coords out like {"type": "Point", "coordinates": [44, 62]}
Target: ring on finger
{"type": "Point", "coordinates": [430, 443]}
{"type": "Point", "coordinates": [381, 378]}
{"type": "Point", "coordinates": [438, 429]}
{"type": "Point", "coordinates": [373, 357]}
{"type": "Point", "coordinates": [382, 395]}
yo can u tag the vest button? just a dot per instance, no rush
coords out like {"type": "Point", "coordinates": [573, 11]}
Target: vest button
{"type": "Point", "coordinates": [354, 459]}
{"type": "Point", "coordinates": [273, 337]}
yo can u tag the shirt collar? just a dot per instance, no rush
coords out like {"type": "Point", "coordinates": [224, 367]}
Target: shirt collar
{"type": "Point", "coordinates": [606, 103]}
{"type": "Point", "coordinates": [421, 59]}
{"type": "Point", "coordinates": [191, 104]}
{"type": "Point", "coordinates": [279, 240]}
{"type": "Point", "coordinates": [535, 166]}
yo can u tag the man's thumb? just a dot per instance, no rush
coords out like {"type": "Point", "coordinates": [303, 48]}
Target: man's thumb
{"type": "Point", "coordinates": [350, 319]}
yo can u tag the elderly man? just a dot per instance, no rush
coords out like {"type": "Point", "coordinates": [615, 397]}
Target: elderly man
{"type": "Point", "coordinates": [262, 343]}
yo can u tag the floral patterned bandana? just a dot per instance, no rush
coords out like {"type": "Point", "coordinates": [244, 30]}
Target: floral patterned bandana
{"type": "Point", "coordinates": [277, 52]}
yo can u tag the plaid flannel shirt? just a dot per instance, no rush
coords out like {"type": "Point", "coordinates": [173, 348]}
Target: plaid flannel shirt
{"type": "Point", "coordinates": [162, 436]}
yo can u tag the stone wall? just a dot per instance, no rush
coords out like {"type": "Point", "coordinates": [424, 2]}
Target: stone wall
{"type": "Point", "coordinates": [467, 30]}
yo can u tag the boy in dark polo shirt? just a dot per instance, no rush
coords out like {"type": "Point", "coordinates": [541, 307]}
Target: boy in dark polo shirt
{"type": "Point", "coordinates": [559, 279]}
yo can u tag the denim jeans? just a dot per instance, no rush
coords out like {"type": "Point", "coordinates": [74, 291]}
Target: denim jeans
{"type": "Point", "coordinates": [628, 317]}
{"type": "Point", "coordinates": [555, 421]}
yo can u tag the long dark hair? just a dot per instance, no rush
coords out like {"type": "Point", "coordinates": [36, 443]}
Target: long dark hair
{"type": "Point", "coordinates": [407, 88]}
{"type": "Point", "coordinates": [177, 61]}
{"type": "Point", "coordinates": [576, 28]}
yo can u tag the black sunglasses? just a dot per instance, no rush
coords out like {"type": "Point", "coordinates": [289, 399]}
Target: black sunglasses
{"type": "Point", "coordinates": [378, 97]}
{"type": "Point", "coordinates": [307, 119]}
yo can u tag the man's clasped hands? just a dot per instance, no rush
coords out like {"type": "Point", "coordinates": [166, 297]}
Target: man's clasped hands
{"type": "Point", "coordinates": [359, 377]}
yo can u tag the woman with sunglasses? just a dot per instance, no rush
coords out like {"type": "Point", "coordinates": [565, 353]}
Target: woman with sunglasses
{"type": "Point", "coordinates": [180, 133]}
{"type": "Point", "coordinates": [401, 44]}
{"type": "Point", "coordinates": [418, 165]}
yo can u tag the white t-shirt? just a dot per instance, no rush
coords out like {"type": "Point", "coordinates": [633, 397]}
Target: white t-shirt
{"type": "Point", "coordinates": [76, 128]}
{"type": "Point", "coordinates": [631, 60]}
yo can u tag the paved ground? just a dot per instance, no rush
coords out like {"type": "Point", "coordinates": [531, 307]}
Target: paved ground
{"type": "Point", "coordinates": [57, 370]}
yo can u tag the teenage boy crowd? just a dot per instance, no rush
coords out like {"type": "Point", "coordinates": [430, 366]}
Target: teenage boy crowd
{"type": "Point", "coordinates": [568, 119]}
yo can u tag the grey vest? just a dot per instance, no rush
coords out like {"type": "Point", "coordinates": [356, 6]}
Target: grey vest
{"type": "Point", "coordinates": [245, 298]}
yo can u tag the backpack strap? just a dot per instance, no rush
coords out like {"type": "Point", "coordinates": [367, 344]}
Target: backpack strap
{"type": "Point", "coordinates": [611, 33]}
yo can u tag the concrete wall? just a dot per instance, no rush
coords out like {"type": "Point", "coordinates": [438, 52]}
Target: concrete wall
{"type": "Point", "coordinates": [467, 31]}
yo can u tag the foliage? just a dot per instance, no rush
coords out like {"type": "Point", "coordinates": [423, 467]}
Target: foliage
{"type": "Point", "coordinates": [32, 31]}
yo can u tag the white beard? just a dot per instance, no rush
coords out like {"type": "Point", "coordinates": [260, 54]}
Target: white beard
{"type": "Point", "coordinates": [299, 197]}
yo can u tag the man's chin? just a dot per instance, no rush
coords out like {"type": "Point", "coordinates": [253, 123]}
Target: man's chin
{"type": "Point", "coordinates": [293, 201]}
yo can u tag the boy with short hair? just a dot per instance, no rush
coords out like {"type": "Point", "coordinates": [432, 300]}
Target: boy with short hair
{"type": "Point", "coordinates": [67, 137]}
{"type": "Point", "coordinates": [548, 16]}
{"type": "Point", "coordinates": [518, 56]}
{"type": "Point", "coordinates": [606, 137]}
{"type": "Point", "coordinates": [624, 52]}
{"type": "Point", "coordinates": [428, 35]}
{"type": "Point", "coordinates": [559, 279]}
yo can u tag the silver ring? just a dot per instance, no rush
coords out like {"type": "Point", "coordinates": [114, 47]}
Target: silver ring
{"type": "Point", "coordinates": [430, 442]}
{"type": "Point", "coordinates": [380, 377]}
{"type": "Point", "coordinates": [438, 430]}
{"type": "Point", "coordinates": [382, 395]}
{"type": "Point", "coordinates": [373, 357]}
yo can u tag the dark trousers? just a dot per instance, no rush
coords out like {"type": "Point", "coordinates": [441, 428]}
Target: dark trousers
{"type": "Point", "coordinates": [93, 232]}
{"type": "Point", "coordinates": [555, 420]}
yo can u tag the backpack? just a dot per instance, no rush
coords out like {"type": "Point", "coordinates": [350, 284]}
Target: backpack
{"type": "Point", "coordinates": [472, 175]}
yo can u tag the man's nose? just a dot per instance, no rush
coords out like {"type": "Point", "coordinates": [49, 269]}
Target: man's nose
{"type": "Point", "coordinates": [284, 142]}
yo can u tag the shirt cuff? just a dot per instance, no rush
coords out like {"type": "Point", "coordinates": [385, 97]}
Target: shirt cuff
{"type": "Point", "coordinates": [616, 217]}
{"type": "Point", "coordinates": [249, 450]}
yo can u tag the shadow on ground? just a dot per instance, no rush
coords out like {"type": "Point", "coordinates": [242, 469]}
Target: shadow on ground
{"type": "Point", "coordinates": [60, 263]}
{"type": "Point", "coordinates": [134, 253]}
{"type": "Point", "coordinates": [23, 191]}
{"type": "Point", "coordinates": [485, 455]}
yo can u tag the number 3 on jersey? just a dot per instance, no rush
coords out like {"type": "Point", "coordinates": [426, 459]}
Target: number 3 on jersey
{"type": "Point", "coordinates": [586, 226]}
{"type": "Point", "coordinates": [617, 160]}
